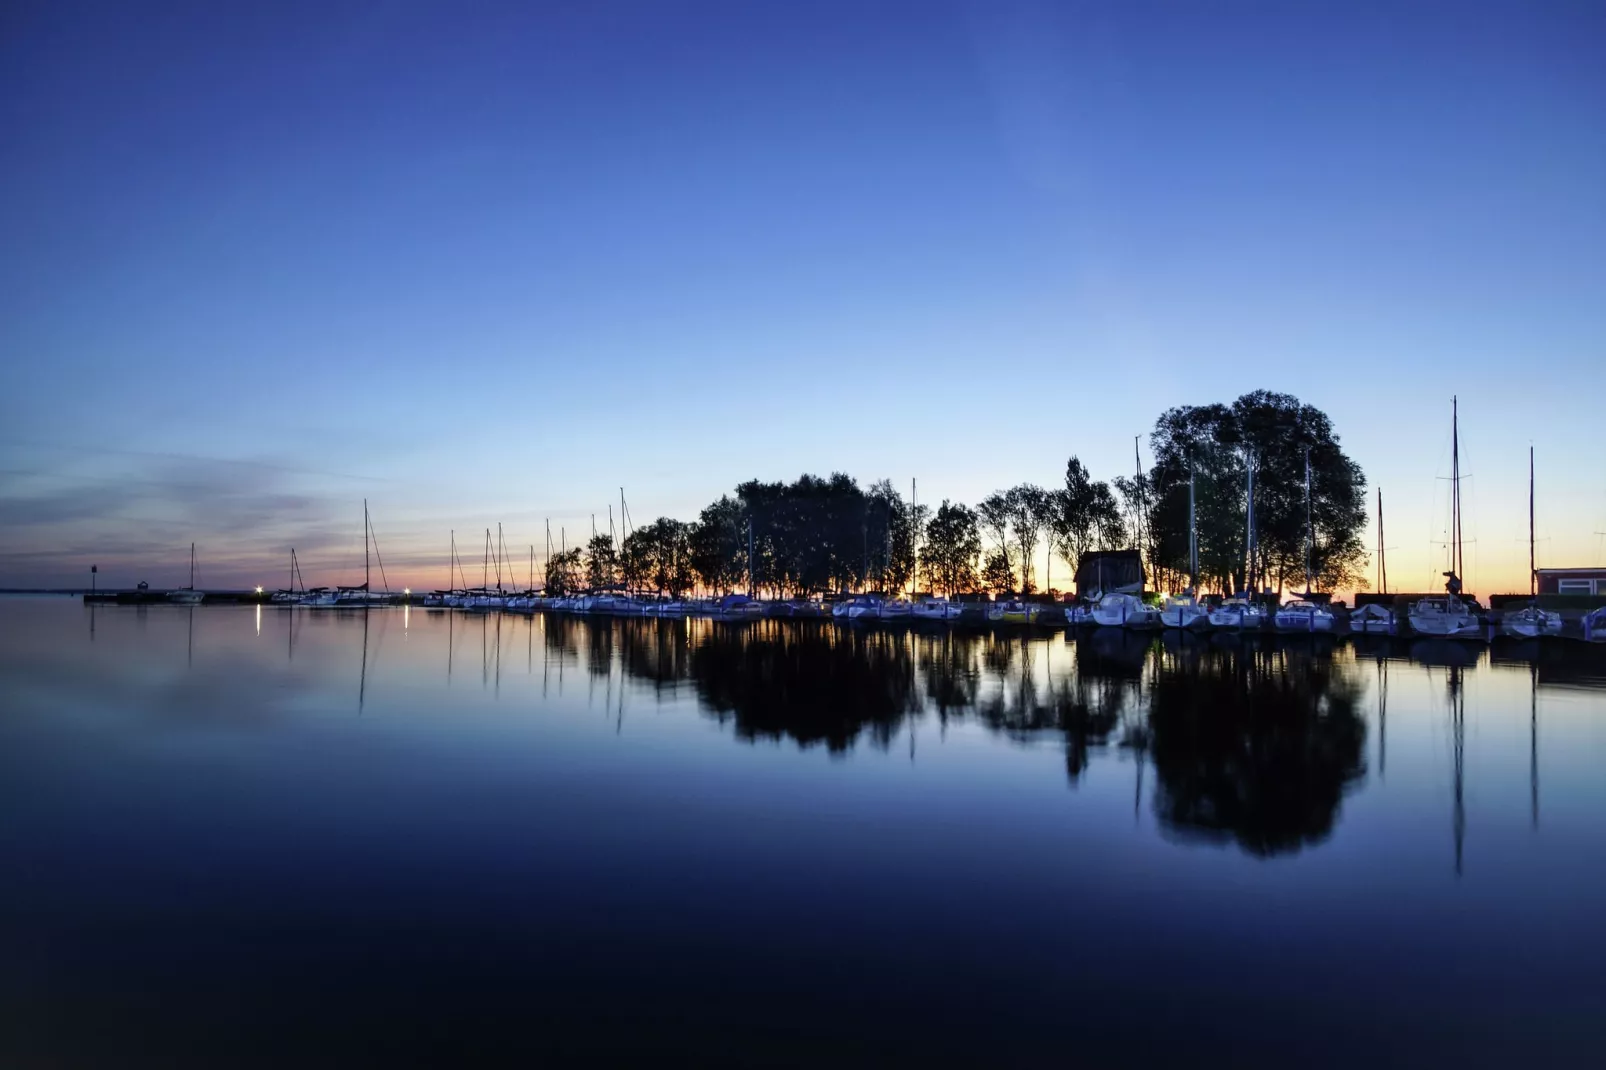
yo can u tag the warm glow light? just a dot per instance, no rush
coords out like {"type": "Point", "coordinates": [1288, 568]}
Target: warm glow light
{"type": "Point", "coordinates": [409, 590]}
{"type": "Point", "coordinates": [259, 590]}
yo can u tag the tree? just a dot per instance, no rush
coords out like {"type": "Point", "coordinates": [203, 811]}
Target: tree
{"type": "Point", "coordinates": [659, 556]}
{"type": "Point", "coordinates": [1028, 507]}
{"type": "Point", "coordinates": [993, 513]}
{"type": "Point", "coordinates": [602, 562]}
{"type": "Point", "coordinates": [719, 546]}
{"type": "Point", "coordinates": [1082, 516]}
{"type": "Point", "coordinates": [563, 572]}
{"type": "Point", "coordinates": [953, 543]}
{"type": "Point", "coordinates": [996, 575]}
{"type": "Point", "coordinates": [1271, 432]}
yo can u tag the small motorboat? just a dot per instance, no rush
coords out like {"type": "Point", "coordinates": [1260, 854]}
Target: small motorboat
{"type": "Point", "coordinates": [1238, 614]}
{"type": "Point", "coordinates": [1531, 622]}
{"type": "Point", "coordinates": [1372, 619]}
{"type": "Point", "coordinates": [738, 607]}
{"type": "Point", "coordinates": [1124, 610]}
{"type": "Point", "coordinates": [1013, 611]}
{"type": "Point", "coordinates": [1184, 611]}
{"type": "Point", "coordinates": [1301, 615]}
{"type": "Point", "coordinates": [859, 607]}
{"type": "Point", "coordinates": [896, 609]}
{"type": "Point", "coordinates": [936, 609]}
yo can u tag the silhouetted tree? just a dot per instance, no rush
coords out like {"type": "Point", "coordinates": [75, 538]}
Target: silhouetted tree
{"type": "Point", "coordinates": [718, 545]}
{"type": "Point", "coordinates": [1083, 516]}
{"type": "Point", "coordinates": [952, 545]}
{"type": "Point", "coordinates": [602, 562]}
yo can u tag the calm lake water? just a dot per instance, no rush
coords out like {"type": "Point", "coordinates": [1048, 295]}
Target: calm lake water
{"type": "Point", "coordinates": [240, 836]}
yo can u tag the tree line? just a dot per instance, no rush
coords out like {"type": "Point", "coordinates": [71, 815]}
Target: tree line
{"type": "Point", "coordinates": [831, 535]}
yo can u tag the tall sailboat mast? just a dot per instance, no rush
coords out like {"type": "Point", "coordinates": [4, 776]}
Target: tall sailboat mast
{"type": "Point", "coordinates": [192, 566]}
{"type": "Point", "coordinates": [1249, 514]}
{"type": "Point", "coordinates": [1137, 462]}
{"type": "Point", "coordinates": [1382, 552]}
{"type": "Point", "coordinates": [914, 543]}
{"type": "Point", "coordinates": [1310, 524]}
{"type": "Point", "coordinates": [1532, 572]}
{"type": "Point", "coordinates": [1456, 561]}
{"type": "Point", "coordinates": [1193, 533]}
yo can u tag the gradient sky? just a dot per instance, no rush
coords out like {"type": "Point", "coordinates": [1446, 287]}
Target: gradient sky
{"type": "Point", "coordinates": [484, 263]}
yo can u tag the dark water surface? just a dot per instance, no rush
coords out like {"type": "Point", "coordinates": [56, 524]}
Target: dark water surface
{"type": "Point", "coordinates": [241, 836]}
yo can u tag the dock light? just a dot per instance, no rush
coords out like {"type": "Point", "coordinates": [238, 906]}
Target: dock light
{"type": "Point", "coordinates": [407, 590]}
{"type": "Point", "coordinates": [259, 589]}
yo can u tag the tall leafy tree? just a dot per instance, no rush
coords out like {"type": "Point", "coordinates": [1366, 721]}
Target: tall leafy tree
{"type": "Point", "coordinates": [996, 574]}
{"type": "Point", "coordinates": [1083, 515]}
{"type": "Point", "coordinates": [993, 514]}
{"type": "Point", "coordinates": [952, 545]}
{"type": "Point", "coordinates": [719, 546]}
{"type": "Point", "coordinates": [602, 562]}
{"type": "Point", "coordinates": [1029, 516]}
{"type": "Point", "coordinates": [564, 571]}
{"type": "Point", "coordinates": [1271, 432]}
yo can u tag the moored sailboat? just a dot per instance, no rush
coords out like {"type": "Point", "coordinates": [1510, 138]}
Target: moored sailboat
{"type": "Point", "coordinates": [1185, 610]}
{"type": "Point", "coordinates": [1449, 616]}
{"type": "Point", "coordinates": [188, 596]}
{"type": "Point", "coordinates": [1531, 622]}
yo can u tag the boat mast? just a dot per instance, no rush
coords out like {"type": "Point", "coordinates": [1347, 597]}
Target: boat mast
{"type": "Point", "coordinates": [1532, 574]}
{"type": "Point", "coordinates": [1382, 553]}
{"type": "Point", "coordinates": [1310, 525]}
{"type": "Point", "coordinates": [1455, 488]}
{"type": "Point", "coordinates": [1249, 514]}
{"type": "Point", "coordinates": [485, 566]}
{"type": "Point", "coordinates": [451, 556]}
{"type": "Point", "coordinates": [1193, 533]}
{"type": "Point", "coordinates": [192, 566]}
{"type": "Point", "coordinates": [365, 544]}
{"type": "Point", "coordinates": [914, 541]}
{"type": "Point", "coordinates": [1138, 466]}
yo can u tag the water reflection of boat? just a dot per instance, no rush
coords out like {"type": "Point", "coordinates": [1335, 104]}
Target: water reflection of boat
{"type": "Point", "coordinates": [1445, 653]}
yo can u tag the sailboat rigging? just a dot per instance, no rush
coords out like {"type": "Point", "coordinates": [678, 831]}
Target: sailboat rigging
{"type": "Point", "coordinates": [188, 596]}
{"type": "Point", "coordinates": [1531, 622]}
{"type": "Point", "coordinates": [1449, 615]}
{"type": "Point", "coordinates": [1303, 614]}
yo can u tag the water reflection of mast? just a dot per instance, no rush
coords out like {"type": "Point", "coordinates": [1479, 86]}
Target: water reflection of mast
{"type": "Point", "coordinates": [1458, 725]}
{"type": "Point", "coordinates": [189, 654]}
{"type": "Point", "coordinates": [1533, 741]}
{"type": "Point", "coordinates": [362, 684]}
{"type": "Point", "coordinates": [1382, 716]}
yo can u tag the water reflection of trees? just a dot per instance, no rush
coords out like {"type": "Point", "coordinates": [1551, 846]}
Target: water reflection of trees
{"type": "Point", "coordinates": [1253, 742]}
{"type": "Point", "coordinates": [1255, 746]}
{"type": "Point", "coordinates": [806, 681]}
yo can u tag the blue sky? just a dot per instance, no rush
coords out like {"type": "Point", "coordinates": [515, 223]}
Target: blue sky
{"type": "Point", "coordinates": [492, 262]}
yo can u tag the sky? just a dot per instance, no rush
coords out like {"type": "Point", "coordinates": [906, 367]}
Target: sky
{"type": "Point", "coordinates": [483, 264]}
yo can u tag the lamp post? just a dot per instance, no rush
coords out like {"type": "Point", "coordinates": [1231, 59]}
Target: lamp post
{"type": "Point", "coordinates": [93, 571]}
